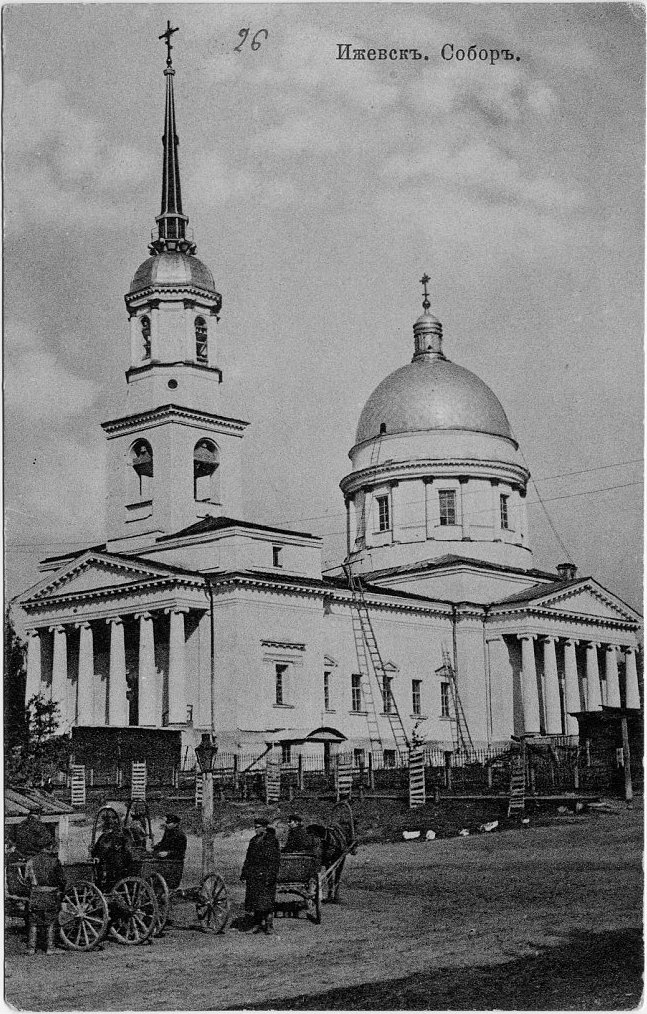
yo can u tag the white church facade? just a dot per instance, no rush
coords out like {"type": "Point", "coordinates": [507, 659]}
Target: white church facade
{"type": "Point", "coordinates": [193, 618]}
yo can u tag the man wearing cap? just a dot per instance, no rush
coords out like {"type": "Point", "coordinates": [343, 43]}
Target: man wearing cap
{"type": "Point", "coordinates": [32, 836]}
{"type": "Point", "coordinates": [172, 844]}
{"type": "Point", "coordinates": [298, 839]}
{"type": "Point", "coordinates": [260, 873]}
{"type": "Point", "coordinates": [47, 883]}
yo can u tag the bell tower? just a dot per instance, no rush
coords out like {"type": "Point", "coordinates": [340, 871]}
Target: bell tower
{"type": "Point", "coordinates": [172, 458]}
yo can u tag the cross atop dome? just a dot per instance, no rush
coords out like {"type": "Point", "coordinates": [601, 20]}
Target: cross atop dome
{"type": "Point", "coordinates": [428, 332]}
{"type": "Point", "coordinates": [425, 303]}
{"type": "Point", "coordinates": [167, 38]}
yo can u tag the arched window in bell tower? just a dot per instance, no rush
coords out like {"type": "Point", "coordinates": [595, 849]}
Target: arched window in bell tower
{"type": "Point", "coordinates": [205, 471]}
{"type": "Point", "coordinates": [201, 340]}
{"type": "Point", "coordinates": [141, 459]}
{"type": "Point", "coordinates": [146, 337]}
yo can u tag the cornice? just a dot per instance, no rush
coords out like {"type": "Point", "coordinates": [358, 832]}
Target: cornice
{"type": "Point", "coordinates": [166, 413]}
{"type": "Point", "coordinates": [478, 468]}
{"type": "Point", "coordinates": [142, 295]}
{"type": "Point", "coordinates": [110, 591]}
{"type": "Point", "coordinates": [284, 645]}
{"type": "Point", "coordinates": [562, 615]}
{"type": "Point", "coordinates": [136, 371]}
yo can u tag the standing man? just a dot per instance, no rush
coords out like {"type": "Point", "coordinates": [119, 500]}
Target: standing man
{"type": "Point", "coordinates": [172, 844]}
{"type": "Point", "coordinates": [47, 883]}
{"type": "Point", "coordinates": [260, 873]}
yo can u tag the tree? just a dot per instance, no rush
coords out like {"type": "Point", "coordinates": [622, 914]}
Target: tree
{"type": "Point", "coordinates": [15, 680]}
{"type": "Point", "coordinates": [41, 753]}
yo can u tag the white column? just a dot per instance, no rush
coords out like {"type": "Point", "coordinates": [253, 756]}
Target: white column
{"type": "Point", "coordinates": [632, 695]}
{"type": "Point", "coordinates": [593, 695]}
{"type": "Point", "coordinates": [529, 690]}
{"type": "Point", "coordinates": [117, 685]}
{"type": "Point", "coordinates": [571, 687]}
{"type": "Point", "coordinates": [177, 669]}
{"type": "Point", "coordinates": [501, 689]}
{"type": "Point", "coordinates": [85, 685]}
{"type": "Point", "coordinates": [34, 665]}
{"type": "Point", "coordinates": [59, 676]}
{"type": "Point", "coordinates": [552, 704]}
{"type": "Point", "coordinates": [147, 672]}
{"type": "Point", "coordinates": [611, 673]}
{"type": "Point", "coordinates": [496, 509]}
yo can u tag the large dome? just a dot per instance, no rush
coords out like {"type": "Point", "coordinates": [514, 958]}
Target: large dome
{"type": "Point", "coordinates": [432, 393]}
{"type": "Point", "coordinates": [172, 269]}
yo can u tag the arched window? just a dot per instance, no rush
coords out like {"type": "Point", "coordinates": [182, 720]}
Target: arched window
{"type": "Point", "coordinates": [146, 337]}
{"type": "Point", "coordinates": [141, 458]}
{"type": "Point", "coordinates": [205, 471]}
{"type": "Point", "coordinates": [201, 347]}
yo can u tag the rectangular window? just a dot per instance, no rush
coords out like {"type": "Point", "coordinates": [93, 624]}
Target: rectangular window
{"type": "Point", "coordinates": [327, 690]}
{"type": "Point", "coordinates": [387, 699]}
{"type": "Point", "coordinates": [276, 556]}
{"type": "Point", "coordinates": [383, 514]}
{"type": "Point", "coordinates": [286, 753]}
{"type": "Point", "coordinates": [358, 758]}
{"type": "Point", "coordinates": [447, 501]}
{"type": "Point", "coordinates": [416, 707]}
{"type": "Point", "coordinates": [280, 684]}
{"type": "Point", "coordinates": [356, 692]}
{"type": "Point", "coordinates": [444, 700]}
{"type": "Point", "coordinates": [503, 510]}
{"type": "Point", "coordinates": [389, 758]}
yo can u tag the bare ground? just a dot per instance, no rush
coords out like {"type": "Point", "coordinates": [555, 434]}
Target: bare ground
{"type": "Point", "coordinates": [540, 918]}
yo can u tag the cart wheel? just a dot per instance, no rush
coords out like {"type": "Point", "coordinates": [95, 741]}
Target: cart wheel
{"type": "Point", "coordinates": [163, 899]}
{"type": "Point", "coordinates": [83, 919]}
{"type": "Point", "coordinates": [133, 911]}
{"type": "Point", "coordinates": [212, 904]}
{"type": "Point", "coordinates": [313, 901]}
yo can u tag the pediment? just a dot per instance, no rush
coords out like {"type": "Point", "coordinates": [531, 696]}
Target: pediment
{"type": "Point", "coordinates": [91, 572]}
{"type": "Point", "coordinates": [588, 599]}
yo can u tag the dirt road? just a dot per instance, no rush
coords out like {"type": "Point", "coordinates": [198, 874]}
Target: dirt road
{"type": "Point", "coordinates": [418, 920]}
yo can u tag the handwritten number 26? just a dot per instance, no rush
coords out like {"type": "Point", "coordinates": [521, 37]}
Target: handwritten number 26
{"type": "Point", "coordinates": [255, 43]}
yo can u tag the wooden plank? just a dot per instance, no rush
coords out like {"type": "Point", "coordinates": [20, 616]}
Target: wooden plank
{"type": "Point", "coordinates": [272, 781]}
{"type": "Point", "coordinates": [138, 780]}
{"type": "Point", "coordinates": [343, 779]}
{"type": "Point", "coordinates": [417, 796]}
{"type": "Point", "coordinates": [77, 784]}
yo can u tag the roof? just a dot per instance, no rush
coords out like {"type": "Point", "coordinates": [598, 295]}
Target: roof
{"type": "Point", "coordinates": [537, 591]}
{"type": "Point", "coordinates": [211, 524]}
{"type": "Point", "coordinates": [77, 552]}
{"type": "Point", "coordinates": [452, 560]}
{"type": "Point", "coordinates": [19, 802]}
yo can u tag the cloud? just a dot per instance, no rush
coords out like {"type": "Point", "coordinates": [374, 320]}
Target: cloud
{"type": "Point", "coordinates": [219, 184]}
{"type": "Point", "coordinates": [37, 385]}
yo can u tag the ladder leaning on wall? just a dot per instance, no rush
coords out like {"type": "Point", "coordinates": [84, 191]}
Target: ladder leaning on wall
{"type": "Point", "coordinates": [461, 738]}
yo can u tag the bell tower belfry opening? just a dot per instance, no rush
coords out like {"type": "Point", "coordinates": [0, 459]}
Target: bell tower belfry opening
{"type": "Point", "coordinates": [172, 458]}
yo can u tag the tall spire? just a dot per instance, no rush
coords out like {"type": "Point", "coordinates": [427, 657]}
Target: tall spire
{"type": "Point", "coordinates": [427, 330]}
{"type": "Point", "coordinates": [171, 232]}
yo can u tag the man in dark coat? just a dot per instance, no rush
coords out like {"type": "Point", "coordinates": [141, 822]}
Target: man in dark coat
{"type": "Point", "coordinates": [113, 853]}
{"type": "Point", "coordinates": [32, 836]}
{"type": "Point", "coordinates": [298, 840]}
{"type": "Point", "coordinates": [260, 873]}
{"type": "Point", "coordinates": [172, 844]}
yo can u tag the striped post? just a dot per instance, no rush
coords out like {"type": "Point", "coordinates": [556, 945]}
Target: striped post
{"type": "Point", "coordinates": [272, 781]}
{"type": "Point", "coordinates": [343, 778]}
{"type": "Point", "coordinates": [138, 780]}
{"type": "Point", "coordinates": [77, 783]}
{"type": "Point", "coordinates": [517, 782]}
{"type": "Point", "coordinates": [198, 790]}
{"type": "Point", "coordinates": [417, 795]}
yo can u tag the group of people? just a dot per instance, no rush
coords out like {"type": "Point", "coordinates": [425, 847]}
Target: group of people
{"type": "Point", "coordinates": [115, 851]}
{"type": "Point", "coordinates": [261, 868]}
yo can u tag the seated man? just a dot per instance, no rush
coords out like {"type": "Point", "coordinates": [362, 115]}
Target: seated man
{"type": "Point", "coordinates": [172, 844]}
{"type": "Point", "coordinates": [32, 836]}
{"type": "Point", "coordinates": [113, 852]}
{"type": "Point", "coordinates": [298, 839]}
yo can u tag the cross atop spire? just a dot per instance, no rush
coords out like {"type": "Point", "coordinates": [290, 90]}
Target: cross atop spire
{"type": "Point", "coordinates": [171, 221]}
{"type": "Point", "coordinates": [167, 38]}
{"type": "Point", "coordinates": [425, 303]}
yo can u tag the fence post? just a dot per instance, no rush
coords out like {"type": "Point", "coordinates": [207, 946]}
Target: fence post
{"type": "Point", "coordinates": [371, 772]}
{"type": "Point", "coordinates": [489, 776]}
{"type": "Point", "coordinates": [235, 774]}
{"type": "Point", "coordinates": [300, 773]}
{"type": "Point", "coordinates": [448, 770]}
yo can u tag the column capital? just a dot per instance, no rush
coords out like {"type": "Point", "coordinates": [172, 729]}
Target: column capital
{"type": "Point", "coordinates": [629, 649]}
{"type": "Point", "coordinates": [143, 615]}
{"type": "Point", "coordinates": [592, 644]}
{"type": "Point", "coordinates": [494, 637]}
{"type": "Point", "coordinates": [177, 609]}
{"type": "Point", "coordinates": [548, 638]}
{"type": "Point", "coordinates": [83, 625]}
{"type": "Point", "coordinates": [58, 628]}
{"type": "Point", "coordinates": [35, 632]}
{"type": "Point", "coordinates": [114, 619]}
{"type": "Point", "coordinates": [526, 637]}
{"type": "Point", "coordinates": [570, 642]}
{"type": "Point", "coordinates": [612, 647]}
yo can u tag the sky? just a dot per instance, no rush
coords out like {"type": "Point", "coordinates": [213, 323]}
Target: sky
{"type": "Point", "coordinates": [319, 191]}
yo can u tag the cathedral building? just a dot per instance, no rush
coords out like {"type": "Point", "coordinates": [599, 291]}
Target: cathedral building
{"type": "Point", "coordinates": [191, 617]}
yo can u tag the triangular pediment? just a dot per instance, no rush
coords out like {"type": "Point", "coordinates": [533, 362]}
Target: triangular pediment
{"type": "Point", "coordinates": [589, 599]}
{"type": "Point", "coordinates": [92, 571]}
